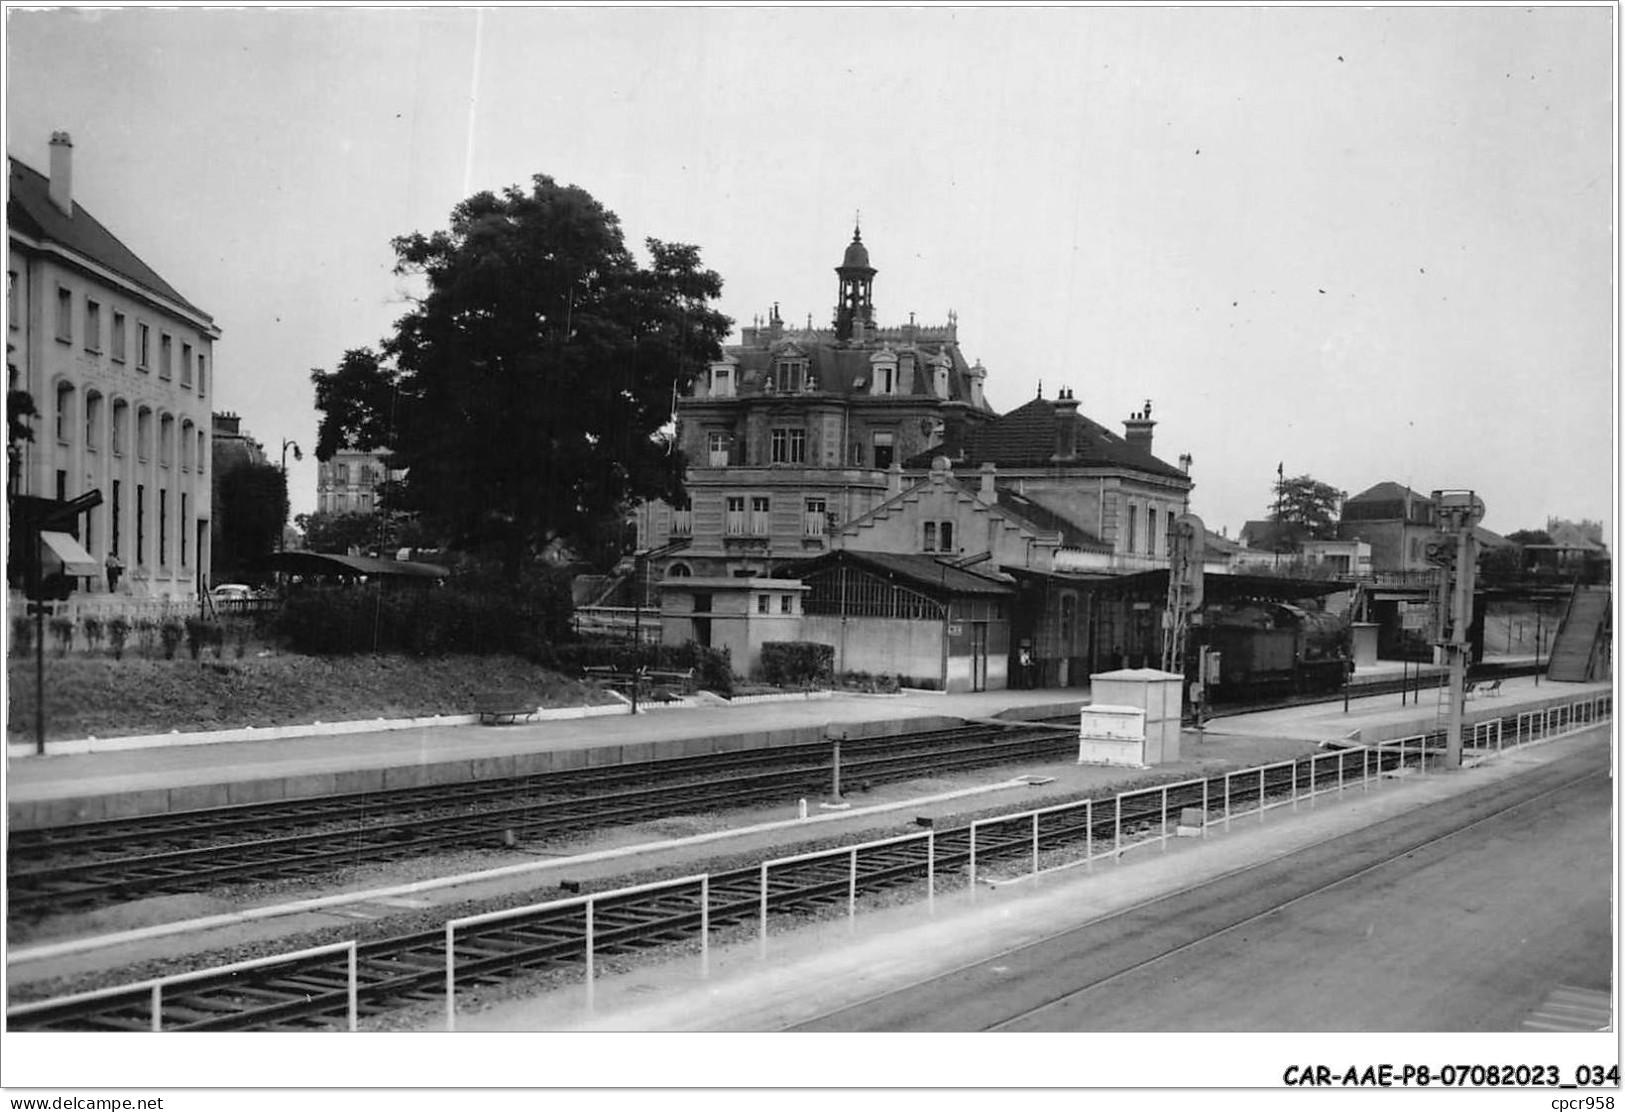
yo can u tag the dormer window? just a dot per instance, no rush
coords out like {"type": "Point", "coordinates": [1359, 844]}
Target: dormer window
{"type": "Point", "coordinates": [790, 375]}
{"type": "Point", "coordinates": [884, 369]}
{"type": "Point", "coordinates": [722, 380]}
{"type": "Point", "coordinates": [939, 380]}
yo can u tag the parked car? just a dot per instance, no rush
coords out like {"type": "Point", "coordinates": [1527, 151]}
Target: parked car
{"type": "Point", "coordinates": [228, 592]}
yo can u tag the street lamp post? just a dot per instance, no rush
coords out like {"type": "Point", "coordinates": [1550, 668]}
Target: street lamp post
{"type": "Point", "coordinates": [282, 533]}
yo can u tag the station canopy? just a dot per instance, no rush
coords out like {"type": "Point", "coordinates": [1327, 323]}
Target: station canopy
{"type": "Point", "coordinates": [1225, 588]}
{"type": "Point", "coordinates": [346, 567]}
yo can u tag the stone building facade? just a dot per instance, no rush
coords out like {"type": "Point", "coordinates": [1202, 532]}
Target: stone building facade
{"type": "Point", "coordinates": [348, 483]}
{"type": "Point", "coordinates": [120, 368]}
{"type": "Point", "coordinates": [794, 432]}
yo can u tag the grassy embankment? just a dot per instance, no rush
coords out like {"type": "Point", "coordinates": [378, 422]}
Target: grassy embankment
{"type": "Point", "coordinates": [97, 696]}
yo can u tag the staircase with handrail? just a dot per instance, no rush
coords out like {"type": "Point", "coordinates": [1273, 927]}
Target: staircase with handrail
{"type": "Point", "coordinates": [1583, 646]}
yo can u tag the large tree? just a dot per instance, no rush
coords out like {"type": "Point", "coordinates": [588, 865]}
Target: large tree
{"type": "Point", "coordinates": [252, 512]}
{"type": "Point", "coordinates": [1304, 509]}
{"type": "Point", "coordinates": [525, 394]}
{"type": "Point", "coordinates": [339, 532]}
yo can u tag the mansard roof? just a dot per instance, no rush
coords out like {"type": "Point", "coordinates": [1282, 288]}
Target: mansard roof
{"type": "Point", "coordinates": [29, 210]}
{"type": "Point", "coordinates": [1026, 438]}
{"type": "Point", "coordinates": [847, 369]}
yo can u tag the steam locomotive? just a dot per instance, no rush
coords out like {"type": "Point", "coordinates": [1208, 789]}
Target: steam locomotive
{"type": "Point", "coordinates": [1273, 647]}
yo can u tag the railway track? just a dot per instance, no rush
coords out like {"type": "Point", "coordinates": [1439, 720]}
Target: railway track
{"type": "Point", "coordinates": [313, 993]}
{"type": "Point", "coordinates": [92, 864]}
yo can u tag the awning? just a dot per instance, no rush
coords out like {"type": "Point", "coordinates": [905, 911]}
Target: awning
{"type": "Point", "coordinates": [75, 560]}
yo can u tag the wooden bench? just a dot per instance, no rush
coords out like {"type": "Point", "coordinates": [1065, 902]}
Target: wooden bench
{"type": "Point", "coordinates": [608, 674]}
{"type": "Point", "coordinates": [503, 706]}
{"type": "Point", "coordinates": [681, 681]}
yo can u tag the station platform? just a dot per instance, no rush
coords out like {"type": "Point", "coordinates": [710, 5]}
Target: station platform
{"type": "Point", "coordinates": [1375, 718]}
{"type": "Point", "coordinates": [53, 790]}
{"type": "Point", "coordinates": [167, 926]}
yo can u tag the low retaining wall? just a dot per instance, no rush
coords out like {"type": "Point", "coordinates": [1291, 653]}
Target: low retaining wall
{"type": "Point", "coordinates": [37, 813]}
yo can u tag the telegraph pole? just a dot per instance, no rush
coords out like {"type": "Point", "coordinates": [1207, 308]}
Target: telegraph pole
{"type": "Point", "coordinates": [1458, 511]}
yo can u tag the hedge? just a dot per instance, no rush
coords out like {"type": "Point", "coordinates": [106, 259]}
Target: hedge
{"type": "Point", "coordinates": [797, 663]}
{"type": "Point", "coordinates": [713, 668]}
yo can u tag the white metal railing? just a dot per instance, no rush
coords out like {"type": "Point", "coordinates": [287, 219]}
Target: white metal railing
{"type": "Point", "coordinates": [929, 837]}
{"type": "Point", "coordinates": [589, 943]}
{"type": "Point", "coordinates": [155, 988]}
{"type": "Point", "coordinates": [1535, 725]}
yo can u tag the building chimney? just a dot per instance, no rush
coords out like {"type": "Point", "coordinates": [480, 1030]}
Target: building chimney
{"type": "Point", "coordinates": [978, 377]}
{"type": "Point", "coordinates": [1137, 429]}
{"type": "Point", "coordinates": [988, 472]}
{"type": "Point", "coordinates": [1185, 463]}
{"type": "Point", "coordinates": [62, 172]}
{"type": "Point", "coordinates": [1066, 426]}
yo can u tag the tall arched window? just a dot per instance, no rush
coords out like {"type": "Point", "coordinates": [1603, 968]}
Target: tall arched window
{"type": "Point", "coordinates": [93, 421]}
{"type": "Point", "coordinates": [121, 426]}
{"type": "Point", "coordinates": [143, 435]}
{"type": "Point", "coordinates": [64, 411]}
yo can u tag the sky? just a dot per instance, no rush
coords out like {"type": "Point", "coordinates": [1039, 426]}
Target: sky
{"type": "Point", "coordinates": [1363, 244]}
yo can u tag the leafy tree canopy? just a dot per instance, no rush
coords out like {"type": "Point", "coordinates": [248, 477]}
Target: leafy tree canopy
{"type": "Point", "coordinates": [1306, 509]}
{"type": "Point", "coordinates": [252, 509]}
{"type": "Point", "coordinates": [339, 532]}
{"type": "Point", "coordinates": [525, 394]}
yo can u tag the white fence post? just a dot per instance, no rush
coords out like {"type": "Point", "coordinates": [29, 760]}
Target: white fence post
{"type": "Point", "coordinates": [852, 889]}
{"type": "Point", "coordinates": [451, 976]}
{"type": "Point", "coordinates": [1089, 831]}
{"type": "Point", "coordinates": [931, 869]}
{"type": "Point", "coordinates": [705, 925]}
{"type": "Point", "coordinates": [1164, 843]}
{"type": "Point", "coordinates": [1035, 843]}
{"type": "Point", "coordinates": [1261, 796]}
{"type": "Point", "coordinates": [589, 956]}
{"type": "Point", "coordinates": [355, 990]}
{"type": "Point", "coordinates": [973, 857]}
{"type": "Point", "coordinates": [1117, 827]}
{"type": "Point", "coordinates": [158, 1006]}
{"type": "Point", "coordinates": [764, 906]}
{"type": "Point", "coordinates": [1204, 806]}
